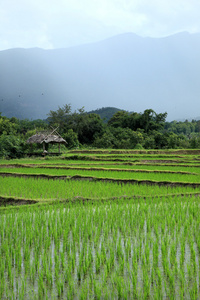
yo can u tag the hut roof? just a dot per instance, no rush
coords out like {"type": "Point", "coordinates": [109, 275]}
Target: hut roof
{"type": "Point", "coordinates": [45, 138]}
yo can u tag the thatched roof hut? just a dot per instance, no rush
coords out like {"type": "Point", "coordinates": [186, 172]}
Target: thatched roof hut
{"type": "Point", "coordinates": [46, 138]}
{"type": "Point", "coordinates": [42, 138]}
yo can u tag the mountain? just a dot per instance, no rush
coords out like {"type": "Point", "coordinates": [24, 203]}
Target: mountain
{"type": "Point", "coordinates": [105, 113]}
{"type": "Point", "coordinates": [126, 71]}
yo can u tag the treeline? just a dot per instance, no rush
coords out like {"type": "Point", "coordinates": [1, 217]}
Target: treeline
{"type": "Point", "coordinates": [124, 130]}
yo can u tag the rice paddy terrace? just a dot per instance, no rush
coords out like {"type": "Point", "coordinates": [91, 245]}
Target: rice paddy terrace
{"type": "Point", "coordinates": [101, 225]}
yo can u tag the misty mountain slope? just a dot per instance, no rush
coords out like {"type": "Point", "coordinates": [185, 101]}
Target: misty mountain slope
{"type": "Point", "coordinates": [125, 71]}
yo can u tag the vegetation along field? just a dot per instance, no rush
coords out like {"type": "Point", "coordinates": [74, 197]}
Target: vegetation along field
{"type": "Point", "coordinates": [101, 225]}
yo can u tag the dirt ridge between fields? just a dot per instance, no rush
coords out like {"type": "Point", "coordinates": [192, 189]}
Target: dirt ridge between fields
{"type": "Point", "coordinates": [15, 200]}
{"type": "Point", "coordinates": [9, 200]}
{"type": "Point", "coordinates": [99, 169]}
{"type": "Point", "coordinates": [102, 179]}
{"type": "Point", "coordinates": [179, 151]}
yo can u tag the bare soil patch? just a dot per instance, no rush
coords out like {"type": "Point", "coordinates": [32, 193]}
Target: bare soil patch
{"type": "Point", "coordinates": [4, 201]}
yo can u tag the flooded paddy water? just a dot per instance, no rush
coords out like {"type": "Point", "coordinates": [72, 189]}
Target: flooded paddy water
{"type": "Point", "coordinates": [118, 250]}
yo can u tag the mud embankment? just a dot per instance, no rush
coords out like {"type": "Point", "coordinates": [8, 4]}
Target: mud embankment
{"type": "Point", "coordinates": [104, 179]}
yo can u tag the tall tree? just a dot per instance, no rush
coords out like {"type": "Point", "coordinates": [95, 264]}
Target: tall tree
{"type": "Point", "coordinates": [60, 116]}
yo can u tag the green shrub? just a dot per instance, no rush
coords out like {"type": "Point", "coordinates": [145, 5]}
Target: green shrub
{"type": "Point", "coordinates": [11, 146]}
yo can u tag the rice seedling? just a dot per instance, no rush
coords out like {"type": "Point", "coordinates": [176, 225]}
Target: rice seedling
{"type": "Point", "coordinates": [63, 257]}
{"type": "Point", "coordinates": [154, 176]}
{"type": "Point", "coordinates": [127, 248]}
{"type": "Point", "coordinates": [42, 190]}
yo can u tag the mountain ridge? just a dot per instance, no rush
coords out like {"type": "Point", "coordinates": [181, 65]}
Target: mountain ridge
{"type": "Point", "coordinates": [126, 71]}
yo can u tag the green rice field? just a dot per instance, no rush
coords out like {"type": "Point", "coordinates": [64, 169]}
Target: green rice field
{"type": "Point", "coordinates": [73, 228]}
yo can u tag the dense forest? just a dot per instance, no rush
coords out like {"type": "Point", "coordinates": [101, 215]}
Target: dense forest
{"type": "Point", "coordinates": [104, 128]}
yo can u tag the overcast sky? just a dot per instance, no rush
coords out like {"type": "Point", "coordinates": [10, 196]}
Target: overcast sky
{"type": "Point", "coordinates": [53, 24]}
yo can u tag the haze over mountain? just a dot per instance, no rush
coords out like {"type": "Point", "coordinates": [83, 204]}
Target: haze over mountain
{"type": "Point", "coordinates": [127, 71]}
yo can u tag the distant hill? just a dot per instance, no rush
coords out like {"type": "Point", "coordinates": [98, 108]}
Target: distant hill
{"type": "Point", "coordinates": [105, 113]}
{"type": "Point", "coordinates": [125, 71]}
